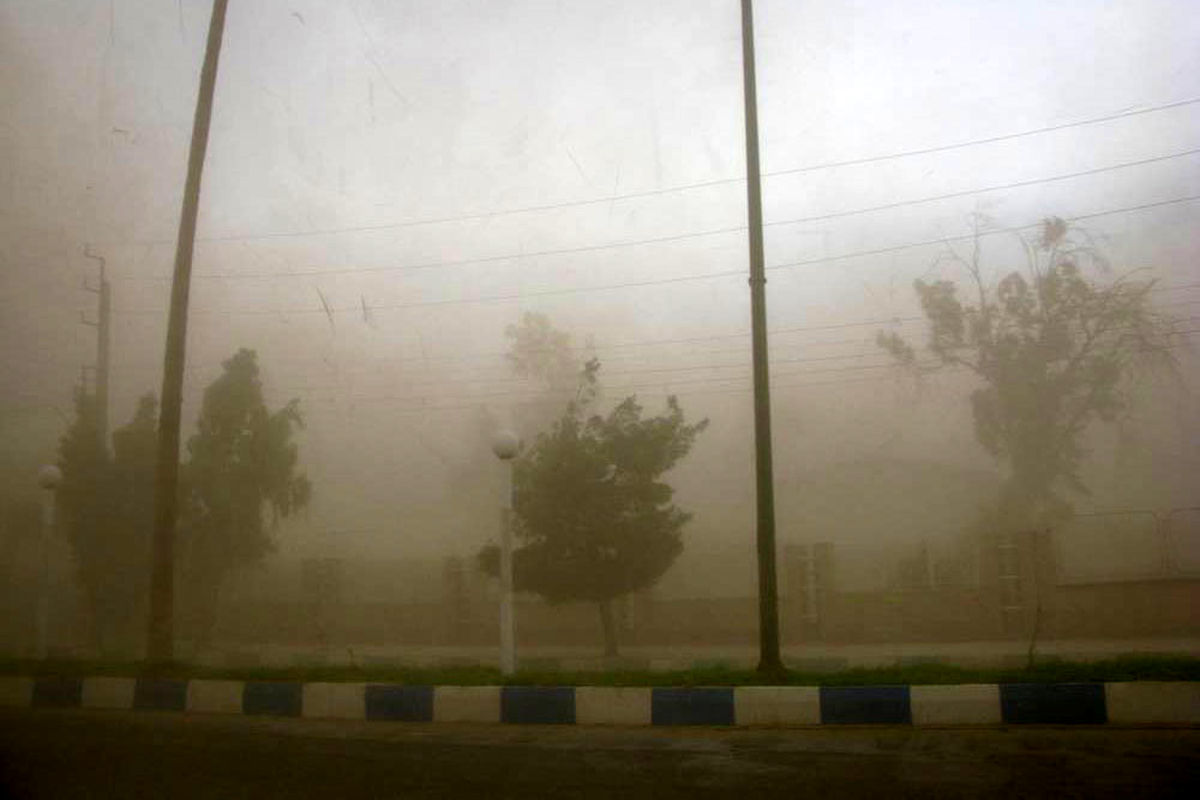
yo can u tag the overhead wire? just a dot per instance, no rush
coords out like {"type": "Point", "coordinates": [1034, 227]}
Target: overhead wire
{"type": "Point", "coordinates": [613, 198]}
{"type": "Point", "coordinates": [659, 281]}
{"type": "Point", "coordinates": [550, 252]}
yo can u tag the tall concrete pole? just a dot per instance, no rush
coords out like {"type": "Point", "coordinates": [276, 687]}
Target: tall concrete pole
{"type": "Point", "coordinates": [49, 477]}
{"type": "Point", "coordinates": [103, 336]}
{"type": "Point", "coordinates": [506, 445]}
{"type": "Point", "coordinates": [769, 660]}
{"type": "Point", "coordinates": [160, 640]}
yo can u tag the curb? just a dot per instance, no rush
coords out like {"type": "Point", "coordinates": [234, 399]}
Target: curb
{"type": "Point", "coordinates": [1135, 703]}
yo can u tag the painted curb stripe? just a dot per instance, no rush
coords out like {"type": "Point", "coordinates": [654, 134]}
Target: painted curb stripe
{"type": "Point", "coordinates": [1139, 702]}
{"type": "Point", "coordinates": [865, 705]}
{"type": "Point", "coordinates": [955, 704]}
{"type": "Point", "coordinates": [112, 693]}
{"type": "Point", "coordinates": [57, 692]}
{"type": "Point", "coordinates": [16, 691]}
{"type": "Point", "coordinates": [1157, 702]}
{"type": "Point", "coordinates": [612, 705]}
{"type": "Point", "coordinates": [159, 694]}
{"type": "Point", "coordinates": [403, 703]}
{"type": "Point", "coordinates": [215, 696]}
{"type": "Point", "coordinates": [538, 705]}
{"type": "Point", "coordinates": [272, 699]}
{"type": "Point", "coordinates": [777, 705]}
{"type": "Point", "coordinates": [711, 706]}
{"type": "Point", "coordinates": [1053, 703]}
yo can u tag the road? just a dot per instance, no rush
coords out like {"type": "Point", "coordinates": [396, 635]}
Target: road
{"type": "Point", "coordinates": [97, 754]}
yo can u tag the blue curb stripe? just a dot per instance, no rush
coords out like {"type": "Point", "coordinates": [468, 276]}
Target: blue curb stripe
{"type": "Point", "coordinates": [57, 692]}
{"type": "Point", "coordinates": [1053, 704]}
{"type": "Point", "coordinates": [272, 699]}
{"type": "Point", "coordinates": [865, 705]}
{"type": "Point", "coordinates": [538, 705]}
{"type": "Point", "coordinates": [405, 703]}
{"type": "Point", "coordinates": [691, 706]}
{"type": "Point", "coordinates": [159, 694]}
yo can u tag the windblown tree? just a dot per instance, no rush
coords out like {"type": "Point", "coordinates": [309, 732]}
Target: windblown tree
{"type": "Point", "coordinates": [105, 510]}
{"type": "Point", "coordinates": [593, 518]}
{"type": "Point", "coordinates": [1055, 351]}
{"type": "Point", "coordinates": [547, 357]}
{"type": "Point", "coordinates": [240, 477]}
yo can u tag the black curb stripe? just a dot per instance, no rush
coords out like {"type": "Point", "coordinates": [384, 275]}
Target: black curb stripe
{"type": "Point", "coordinates": [865, 705]}
{"type": "Point", "coordinates": [53, 691]}
{"type": "Point", "coordinates": [538, 705]}
{"type": "Point", "coordinates": [273, 699]}
{"type": "Point", "coordinates": [160, 694]}
{"type": "Point", "coordinates": [707, 706]}
{"type": "Point", "coordinates": [1053, 703]}
{"type": "Point", "coordinates": [404, 703]}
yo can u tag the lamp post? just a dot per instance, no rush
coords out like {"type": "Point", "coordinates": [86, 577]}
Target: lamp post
{"type": "Point", "coordinates": [49, 477]}
{"type": "Point", "coordinates": [506, 445]}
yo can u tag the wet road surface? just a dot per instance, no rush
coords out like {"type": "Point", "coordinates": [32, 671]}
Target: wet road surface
{"type": "Point", "coordinates": [99, 754]}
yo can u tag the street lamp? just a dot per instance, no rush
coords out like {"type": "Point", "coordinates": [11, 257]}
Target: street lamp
{"type": "Point", "coordinates": [49, 477]}
{"type": "Point", "coordinates": [506, 445]}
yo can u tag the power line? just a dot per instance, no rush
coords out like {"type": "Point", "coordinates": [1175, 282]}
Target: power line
{"type": "Point", "coordinates": [481, 260]}
{"type": "Point", "coordinates": [663, 281]}
{"type": "Point", "coordinates": [500, 383]}
{"type": "Point", "coordinates": [988, 140]}
{"type": "Point", "coordinates": [983, 190]}
{"type": "Point", "coordinates": [683, 236]}
{"type": "Point", "coordinates": [981, 234]}
{"type": "Point", "coordinates": [615, 198]}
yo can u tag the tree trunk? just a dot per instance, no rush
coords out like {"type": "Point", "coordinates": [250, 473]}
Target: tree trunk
{"type": "Point", "coordinates": [609, 627]}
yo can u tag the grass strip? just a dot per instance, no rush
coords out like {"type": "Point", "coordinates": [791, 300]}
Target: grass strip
{"type": "Point", "coordinates": [1139, 667]}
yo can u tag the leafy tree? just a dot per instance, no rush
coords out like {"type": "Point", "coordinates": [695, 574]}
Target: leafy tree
{"type": "Point", "coordinates": [84, 510]}
{"type": "Point", "coordinates": [105, 506]}
{"type": "Point", "coordinates": [545, 355]}
{"type": "Point", "coordinates": [593, 518]}
{"type": "Point", "coordinates": [1055, 352]}
{"type": "Point", "coordinates": [241, 467]}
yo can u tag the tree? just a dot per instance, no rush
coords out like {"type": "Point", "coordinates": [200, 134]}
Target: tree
{"type": "Point", "coordinates": [105, 506]}
{"type": "Point", "coordinates": [545, 355]}
{"type": "Point", "coordinates": [593, 518]}
{"type": "Point", "coordinates": [242, 466]}
{"type": "Point", "coordinates": [1055, 351]}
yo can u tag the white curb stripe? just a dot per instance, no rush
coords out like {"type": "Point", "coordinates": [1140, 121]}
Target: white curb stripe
{"type": "Point", "coordinates": [334, 701]}
{"type": "Point", "coordinates": [108, 693]}
{"type": "Point", "coordinates": [466, 704]}
{"type": "Point", "coordinates": [16, 692]}
{"type": "Point", "coordinates": [777, 705]}
{"type": "Point", "coordinates": [215, 697]}
{"type": "Point", "coordinates": [962, 704]}
{"type": "Point", "coordinates": [1147, 702]}
{"type": "Point", "coordinates": [612, 705]}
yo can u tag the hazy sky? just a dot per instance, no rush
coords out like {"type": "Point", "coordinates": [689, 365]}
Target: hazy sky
{"type": "Point", "coordinates": [339, 126]}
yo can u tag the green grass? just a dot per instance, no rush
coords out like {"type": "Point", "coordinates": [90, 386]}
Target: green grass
{"type": "Point", "coordinates": [1121, 668]}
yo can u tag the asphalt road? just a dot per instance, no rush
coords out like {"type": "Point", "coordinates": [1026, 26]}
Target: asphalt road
{"type": "Point", "coordinates": [94, 754]}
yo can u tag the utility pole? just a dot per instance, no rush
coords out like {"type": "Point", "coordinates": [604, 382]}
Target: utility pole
{"type": "Point", "coordinates": [160, 643]}
{"type": "Point", "coordinates": [769, 661]}
{"type": "Point", "coordinates": [103, 327]}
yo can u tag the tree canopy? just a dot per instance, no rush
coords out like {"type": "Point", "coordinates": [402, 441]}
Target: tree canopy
{"type": "Point", "coordinates": [241, 465]}
{"type": "Point", "coordinates": [593, 518]}
{"type": "Point", "coordinates": [1055, 351]}
{"type": "Point", "coordinates": [106, 508]}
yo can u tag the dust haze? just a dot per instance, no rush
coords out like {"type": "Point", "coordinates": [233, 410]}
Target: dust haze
{"type": "Point", "coordinates": [393, 189]}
